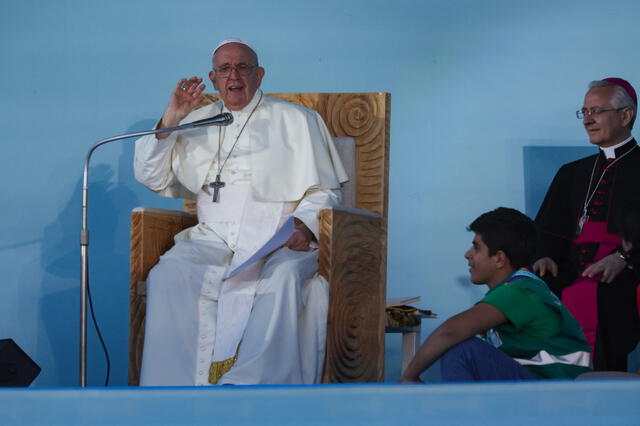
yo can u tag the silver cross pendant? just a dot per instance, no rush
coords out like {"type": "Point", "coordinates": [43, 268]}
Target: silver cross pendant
{"type": "Point", "coordinates": [216, 188]}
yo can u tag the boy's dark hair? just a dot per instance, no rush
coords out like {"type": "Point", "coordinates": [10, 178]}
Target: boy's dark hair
{"type": "Point", "coordinates": [510, 231]}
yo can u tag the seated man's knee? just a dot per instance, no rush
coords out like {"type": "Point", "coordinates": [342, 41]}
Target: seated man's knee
{"type": "Point", "coordinates": [288, 267]}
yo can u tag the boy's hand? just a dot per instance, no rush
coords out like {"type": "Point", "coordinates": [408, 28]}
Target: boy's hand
{"type": "Point", "coordinates": [544, 265]}
{"type": "Point", "coordinates": [480, 318]}
{"type": "Point", "coordinates": [410, 380]}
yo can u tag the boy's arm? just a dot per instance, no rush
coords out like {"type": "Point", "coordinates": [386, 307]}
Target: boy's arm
{"type": "Point", "coordinates": [478, 319]}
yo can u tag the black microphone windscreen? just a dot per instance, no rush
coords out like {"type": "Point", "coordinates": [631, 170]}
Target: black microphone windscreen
{"type": "Point", "coordinates": [223, 119]}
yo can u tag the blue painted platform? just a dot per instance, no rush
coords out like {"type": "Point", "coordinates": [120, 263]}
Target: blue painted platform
{"type": "Point", "coordinates": [594, 402]}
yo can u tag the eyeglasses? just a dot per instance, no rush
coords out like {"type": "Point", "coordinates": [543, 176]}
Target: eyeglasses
{"type": "Point", "coordinates": [581, 113]}
{"type": "Point", "coordinates": [242, 68]}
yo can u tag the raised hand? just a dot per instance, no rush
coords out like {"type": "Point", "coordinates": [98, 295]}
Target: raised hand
{"type": "Point", "coordinates": [185, 96]}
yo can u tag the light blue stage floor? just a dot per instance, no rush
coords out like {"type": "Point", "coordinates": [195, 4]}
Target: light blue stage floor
{"type": "Point", "coordinates": [597, 402]}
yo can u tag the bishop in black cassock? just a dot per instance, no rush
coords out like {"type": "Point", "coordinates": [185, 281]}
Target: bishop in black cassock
{"type": "Point", "coordinates": [578, 228]}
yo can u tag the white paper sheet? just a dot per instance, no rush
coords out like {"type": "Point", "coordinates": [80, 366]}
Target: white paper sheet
{"type": "Point", "coordinates": [274, 243]}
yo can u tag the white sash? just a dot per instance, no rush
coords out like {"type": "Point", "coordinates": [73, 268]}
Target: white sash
{"type": "Point", "coordinates": [234, 307]}
{"type": "Point", "coordinates": [258, 222]}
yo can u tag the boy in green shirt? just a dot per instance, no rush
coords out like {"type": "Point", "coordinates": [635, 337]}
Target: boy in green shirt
{"type": "Point", "coordinates": [527, 333]}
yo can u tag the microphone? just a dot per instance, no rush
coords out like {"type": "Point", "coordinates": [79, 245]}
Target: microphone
{"type": "Point", "coordinates": [223, 119]}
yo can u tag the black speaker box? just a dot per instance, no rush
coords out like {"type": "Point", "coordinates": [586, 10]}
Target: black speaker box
{"type": "Point", "coordinates": [16, 368]}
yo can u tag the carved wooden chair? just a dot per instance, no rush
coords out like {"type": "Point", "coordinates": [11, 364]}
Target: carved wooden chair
{"type": "Point", "coordinates": [353, 240]}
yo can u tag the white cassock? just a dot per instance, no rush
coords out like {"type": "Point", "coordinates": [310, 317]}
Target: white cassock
{"type": "Point", "coordinates": [269, 321]}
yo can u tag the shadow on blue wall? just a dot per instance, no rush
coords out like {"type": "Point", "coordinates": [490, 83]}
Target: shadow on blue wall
{"type": "Point", "coordinates": [60, 257]}
{"type": "Point", "coordinates": [540, 166]}
{"type": "Point", "coordinates": [112, 195]}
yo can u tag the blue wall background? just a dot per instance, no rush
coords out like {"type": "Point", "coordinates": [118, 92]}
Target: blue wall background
{"type": "Point", "coordinates": [473, 84]}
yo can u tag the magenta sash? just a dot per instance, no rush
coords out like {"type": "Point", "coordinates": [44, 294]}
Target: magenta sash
{"type": "Point", "coordinates": [581, 296]}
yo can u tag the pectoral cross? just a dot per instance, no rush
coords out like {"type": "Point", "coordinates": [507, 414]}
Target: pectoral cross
{"type": "Point", "coordinates": [216, 188]}
{"type": "Point", "coordinates": [583, 219]}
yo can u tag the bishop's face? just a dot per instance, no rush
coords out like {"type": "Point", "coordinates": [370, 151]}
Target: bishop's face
{"type": "Point", "coordinates": [235, 89]}
{"type": "Point", "coordinates": [609, 126]}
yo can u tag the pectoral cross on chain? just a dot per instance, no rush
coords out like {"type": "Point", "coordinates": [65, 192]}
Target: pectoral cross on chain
{"type": "Point", "coordinates": [216, 188]}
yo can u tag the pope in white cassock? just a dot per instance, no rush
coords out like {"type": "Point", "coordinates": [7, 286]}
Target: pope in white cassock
{"type": "Point", "coordinates": [276, 160]}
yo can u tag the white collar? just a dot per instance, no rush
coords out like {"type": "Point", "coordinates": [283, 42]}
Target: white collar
{"type": "Point", "coordinates": [610, 151]}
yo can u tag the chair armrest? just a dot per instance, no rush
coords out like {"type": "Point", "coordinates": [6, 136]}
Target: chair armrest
{"type": "Point", "coordinates": [352, 258]}
{"type": "Point", "coordinates": [152, 232]}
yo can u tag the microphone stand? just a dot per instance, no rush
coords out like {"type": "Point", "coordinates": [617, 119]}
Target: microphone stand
{"type": "Point", "coordinates": [219, 120]}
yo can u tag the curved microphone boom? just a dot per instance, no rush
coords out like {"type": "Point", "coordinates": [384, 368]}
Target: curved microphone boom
{"type": "Point", "coordinates": [223, 119]}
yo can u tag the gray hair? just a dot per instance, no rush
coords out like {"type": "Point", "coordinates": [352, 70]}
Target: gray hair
{"type": "Point", "coordinates": [620, 98]}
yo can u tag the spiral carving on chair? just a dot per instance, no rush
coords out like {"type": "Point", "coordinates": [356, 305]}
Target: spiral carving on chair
{"type": "Point", "coordinates": [357, 116]}
{"type": "Point", "coordinates": [354, 328]}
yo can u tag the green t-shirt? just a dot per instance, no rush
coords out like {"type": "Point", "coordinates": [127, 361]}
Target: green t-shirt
{"type": "Point", "coordinates": [541, 334]}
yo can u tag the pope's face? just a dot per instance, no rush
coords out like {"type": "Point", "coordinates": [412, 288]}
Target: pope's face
{"type": "Point", "coordinates": [605, 128]}
{"type": "Point", "coordinates": [236, 90]}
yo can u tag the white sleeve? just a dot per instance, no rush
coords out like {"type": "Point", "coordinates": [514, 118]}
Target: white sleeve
{"type": "Point", "coordinates": [152, 161]}
{"type": "Point", "coordinates": [308, 209]}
